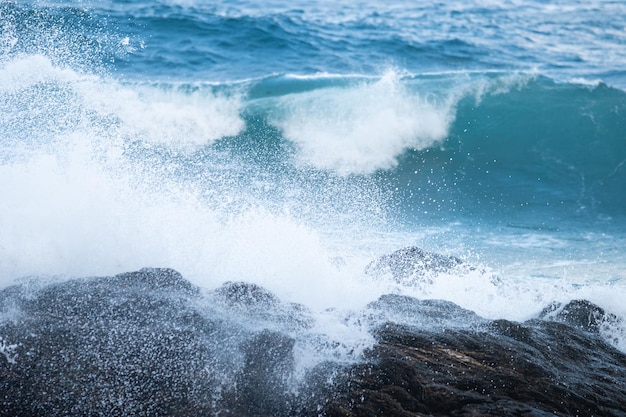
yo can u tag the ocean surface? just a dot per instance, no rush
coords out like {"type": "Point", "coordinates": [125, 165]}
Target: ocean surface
{"type": "Point", "coordinates": [290, 143]}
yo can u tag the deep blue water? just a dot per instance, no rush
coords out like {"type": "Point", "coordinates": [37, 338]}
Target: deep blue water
{"type": "Point", "coordinates": [267, 142]}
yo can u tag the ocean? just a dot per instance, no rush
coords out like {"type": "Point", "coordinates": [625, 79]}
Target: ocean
{"type": "Point", "coordinates": [291, 144]}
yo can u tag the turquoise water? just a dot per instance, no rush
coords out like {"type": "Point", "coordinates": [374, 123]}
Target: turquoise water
{"type": "Point", "coordinates": [289, 144]}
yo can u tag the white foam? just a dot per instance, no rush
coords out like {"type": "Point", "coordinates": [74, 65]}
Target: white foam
{"type": "Point", "coordinates": [38, 93]}
{"type": "Point", "coordinates": [185, 121]}
{"type": "Point", "coordinates": [365, 127]}
{"type": "Point", "coordinates": [8, 350]}
{"type": "Point", "coordinates": [362, 128]}
{"type": "Point", "coordinates": [73, 202]}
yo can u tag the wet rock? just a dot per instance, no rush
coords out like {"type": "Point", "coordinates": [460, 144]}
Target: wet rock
{"type": "Point", "coordinates": [499, 368]}
{"type": "Point", "coordinates": [160, 279]}
{"type": "Point", "coordinates": [148, 344]}
{"type": "Point", "coordinates": [263, 383]}
{"type": "Point", "coordinates": [579, 313]}
{"type": "Point", "coordinates": [412, 266]}
{"type": "Point", "coordinates": [247, 295]}
{"type": "Point", "coordinates": [138, 344]}
{"type": "Point", "coordinates": [124, 345]}
{"type": "Point", "coordinates": [412, 261]}
{"type": "Point", "coordinates": [260, 306]}
{"type": "Point", "coordinates": [423, 313]}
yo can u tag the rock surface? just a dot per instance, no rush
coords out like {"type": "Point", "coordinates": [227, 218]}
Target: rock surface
{"type": "Point", "coordinates": [412, 265]}
{"type": "Point", "coordinates": [149, 343]}
{"type": "Point", "coordinates": [538, 368]}
{"type": "Point", "coordinates": [125, 345]}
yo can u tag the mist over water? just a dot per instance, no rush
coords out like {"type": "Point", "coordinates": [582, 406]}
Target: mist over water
{"type": "Point", "coordinates": [291, 147]}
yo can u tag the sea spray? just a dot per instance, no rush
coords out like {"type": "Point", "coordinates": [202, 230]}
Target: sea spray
{"type": "Point", "coordinates": [271, 150]}
{"type": "Point", "coordinates": [363, 128]}
{"type": "Point", "coordinates": [115, 188]}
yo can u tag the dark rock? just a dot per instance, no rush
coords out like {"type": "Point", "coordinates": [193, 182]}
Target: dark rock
{"type": "Point", "coordinates": [107, 346]}
{"type": "Point", "coordinates": [147, 344]}
{"type": "Point", "coordinates": [246, 295]}
{"type": "Point", "coordinates": [263, 383]}
{"type": "Point", "coordinates": [500, 368]}
{"type": "Point", "coordinates": [511, 329]}
{"type": "Point", "coordinates": [259, 305]}
{"type": "Point", "coordinates": [413, 266]}
{"type": "Point", "coordinates": [423, 313]}
{"type": "Point", "coordinates": [137, 344]}
{"type": "Point", "coordinates": [162, 279]}
{"type": "Point", "coordinates": [581, 314]}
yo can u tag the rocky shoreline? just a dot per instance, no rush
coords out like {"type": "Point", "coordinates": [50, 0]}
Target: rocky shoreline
{"type": "Point", "coordinates": [138, 344]}
{"type": "Point", "coordinates": [502, 369]}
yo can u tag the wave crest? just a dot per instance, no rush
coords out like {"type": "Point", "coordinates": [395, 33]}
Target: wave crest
{"type": "Point", "coordinates": [41, 100]}
{"type": "Point", "coordinates": [362, 128]}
